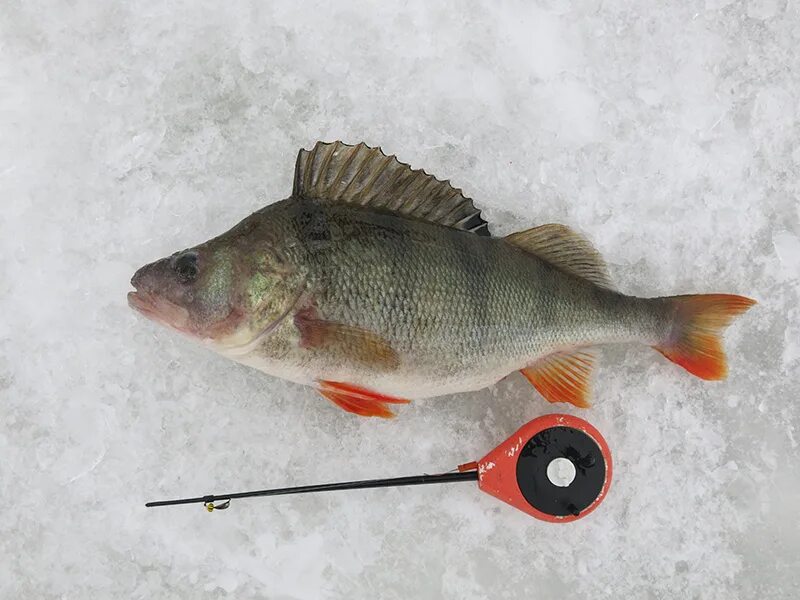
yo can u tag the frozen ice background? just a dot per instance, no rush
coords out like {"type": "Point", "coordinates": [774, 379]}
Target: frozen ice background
{"type": "Point", "coordinates": [668, 133]}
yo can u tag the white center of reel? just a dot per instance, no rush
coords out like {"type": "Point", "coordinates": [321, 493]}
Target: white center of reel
{"type": "Point", "coordinates": [561, 472]}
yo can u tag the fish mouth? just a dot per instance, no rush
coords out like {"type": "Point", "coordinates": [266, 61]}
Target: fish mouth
{"type": "Point", "coordinates": [160, 310]}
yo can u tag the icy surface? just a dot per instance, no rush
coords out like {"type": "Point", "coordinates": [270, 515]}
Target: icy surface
{"type": "Point", "coordinates": [669, 134]}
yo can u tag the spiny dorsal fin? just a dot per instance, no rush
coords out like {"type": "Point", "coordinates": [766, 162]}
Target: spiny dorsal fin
{"type": "Point", "coordinates": [565, 249]}
{"type": "Point", "coordinates": [364, 176]}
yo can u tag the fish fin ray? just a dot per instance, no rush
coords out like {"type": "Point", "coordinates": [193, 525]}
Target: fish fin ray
{"type": "Point", "coordinates": [367, 177]}
{"type": "Point", "coordinates": [358, 400]}
{"type": "Point", "coordinates": [694, 341]}
{"type": "Point", "coordinates": [565, 249]}
{"type": "Point", "coordinates": [349, 342]}
{"type": "Point", "coordinates": [563, 377]}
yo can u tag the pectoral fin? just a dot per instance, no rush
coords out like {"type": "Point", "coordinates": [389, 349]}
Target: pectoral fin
{"type": "Point", "coordinates": [563, 377]}
{"type": "Point", "coordinates": [346, 341]}
{"type": "Point", "coordinates": [358, 400]}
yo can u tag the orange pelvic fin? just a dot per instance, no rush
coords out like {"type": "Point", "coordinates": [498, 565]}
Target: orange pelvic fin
{"type": "Point", "coordinates": [694, 342]}
{"type": "Point", "coordinates": [563, 377]}
{"type": "Point", "coordinates": [358, 400]}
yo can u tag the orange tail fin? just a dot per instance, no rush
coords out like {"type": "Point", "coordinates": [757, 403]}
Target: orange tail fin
{"type": "Point", "coordinates": [694, 342]}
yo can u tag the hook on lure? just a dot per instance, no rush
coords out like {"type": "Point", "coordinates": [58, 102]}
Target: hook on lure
{"type": "Point", "coordinates": [556, 468]}
{"type": "Point", "coordinates": [211, 507]}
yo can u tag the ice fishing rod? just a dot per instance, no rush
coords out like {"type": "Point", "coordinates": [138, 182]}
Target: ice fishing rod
{"type": "Point", "coordinates": [556, 468]}
{"type": "Point", "coordinates": [469, 475]}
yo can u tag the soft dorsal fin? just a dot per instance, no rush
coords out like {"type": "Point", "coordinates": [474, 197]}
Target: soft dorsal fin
{"type": "Point", "coordinates": [364, 176]}
{"type": "Point", "coordinates": [565, 249]}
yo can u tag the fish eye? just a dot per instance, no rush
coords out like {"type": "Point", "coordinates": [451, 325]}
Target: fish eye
{"type": "Point", "coordinates": [186, 267]}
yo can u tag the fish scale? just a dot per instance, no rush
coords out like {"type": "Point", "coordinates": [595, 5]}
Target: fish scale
{"type": "Point", "coordinates": [459, 301]}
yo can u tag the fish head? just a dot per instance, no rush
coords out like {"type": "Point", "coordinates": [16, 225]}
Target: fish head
{"type": "Point", "coordinates": [227, 291]}
{"type": "Point", "coordinates": [191, 291]}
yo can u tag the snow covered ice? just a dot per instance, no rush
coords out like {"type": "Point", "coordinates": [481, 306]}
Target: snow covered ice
{"type": "Point", "coordinates": [668, 133]}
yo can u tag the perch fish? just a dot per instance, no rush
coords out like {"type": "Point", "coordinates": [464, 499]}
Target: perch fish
{"type": "Point", "coordinates": [377, 284]}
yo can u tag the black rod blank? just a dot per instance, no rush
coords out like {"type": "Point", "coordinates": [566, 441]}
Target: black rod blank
{"type": "Point", "coordinates": [328, 487]}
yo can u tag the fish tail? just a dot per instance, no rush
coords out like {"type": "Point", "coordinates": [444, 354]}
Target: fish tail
{"type": "Point", "coordinates": [694, 339]}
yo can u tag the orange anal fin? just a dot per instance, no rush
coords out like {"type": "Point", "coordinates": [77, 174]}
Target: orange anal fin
{"type": "Point", "coordinates": [358, 400]}
{"type": "Point", "coordinates": [563, 377]}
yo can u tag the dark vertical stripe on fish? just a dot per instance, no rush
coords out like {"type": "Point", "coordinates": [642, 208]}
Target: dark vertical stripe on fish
{"type": "Point", "coordinates": [474, 269]}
